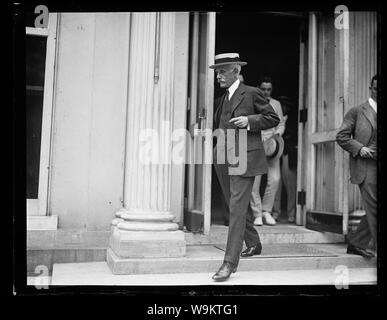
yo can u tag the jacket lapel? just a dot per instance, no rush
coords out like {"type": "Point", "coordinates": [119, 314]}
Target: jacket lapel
{"type": "Point", "coordinates": [368, 114]}
{"type": "Point", "coordinates": [237, 97]}
{"type": "Point", "coordinates": [219, 108]}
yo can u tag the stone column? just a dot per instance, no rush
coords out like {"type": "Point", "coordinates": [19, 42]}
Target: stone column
{"type": "Point", "coordinates": [144, 227]}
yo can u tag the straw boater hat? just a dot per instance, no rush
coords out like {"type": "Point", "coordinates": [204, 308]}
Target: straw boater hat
{"type": "Point", "coordinates": [227, 58]}
{"type": "Point", "coordinates": [274, 147]}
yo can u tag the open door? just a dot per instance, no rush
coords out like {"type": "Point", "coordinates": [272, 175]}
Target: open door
{"type": "Point", "coordinates": [302, 107]}
{"type": "Point", "coordinates": [197, 211]}
{"type": "Point", "coordinates": [321, 171]}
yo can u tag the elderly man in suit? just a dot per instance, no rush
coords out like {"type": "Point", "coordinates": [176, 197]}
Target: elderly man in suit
{"type": "Point", "coordinates": [242, 111]}
{"type": "Point", "coordinates": [358, 136]}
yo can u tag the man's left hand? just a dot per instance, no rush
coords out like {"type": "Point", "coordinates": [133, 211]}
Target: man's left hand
{"type": "Point", "coordinates": [240, 122]}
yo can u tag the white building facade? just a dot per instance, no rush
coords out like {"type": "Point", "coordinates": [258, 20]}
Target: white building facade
{"type": "Point", "coordinates": [109, 76]}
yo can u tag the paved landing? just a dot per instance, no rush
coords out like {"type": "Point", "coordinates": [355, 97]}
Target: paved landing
{"type": "Point", "coordinates": [98, 273]}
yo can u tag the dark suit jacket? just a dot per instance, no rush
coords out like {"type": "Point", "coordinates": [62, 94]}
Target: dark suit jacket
{"type": "Point", "coordinates": [355, 133]}
{"type": "Point", "coordinates": [250, 102]}
{"type": "Point", "coordinates": [290, 137]}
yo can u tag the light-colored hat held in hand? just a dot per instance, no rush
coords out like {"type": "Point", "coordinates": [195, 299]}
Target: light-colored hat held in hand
{"type": "Point", "coordinates": [274, 147]}
{"type": "Point", "coordinates": [227, 58]}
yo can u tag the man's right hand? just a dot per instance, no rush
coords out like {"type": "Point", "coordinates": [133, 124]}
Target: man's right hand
{"type": "Point", "coordinates": [366, 152]}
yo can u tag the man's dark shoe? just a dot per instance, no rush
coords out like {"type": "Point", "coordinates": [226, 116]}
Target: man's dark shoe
{"type": "Point", "coordinates": [224, 272]}
{"type": "Point", "coordinates": [251, 251]}
{"type": "Point", "coordinates": [359, 251]}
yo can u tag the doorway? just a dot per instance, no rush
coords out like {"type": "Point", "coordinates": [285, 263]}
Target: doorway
{"type": "Point", "coordinates": [270, 43]}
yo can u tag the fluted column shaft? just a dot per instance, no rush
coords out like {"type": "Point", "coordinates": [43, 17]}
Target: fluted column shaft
{"type": "Point", "coordinates": [149, 123]}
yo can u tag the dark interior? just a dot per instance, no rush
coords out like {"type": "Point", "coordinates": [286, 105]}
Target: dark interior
{"type": "Point", "coordinates": [35, 67]}
{"type": "Point", "coordinates": [270, 45]}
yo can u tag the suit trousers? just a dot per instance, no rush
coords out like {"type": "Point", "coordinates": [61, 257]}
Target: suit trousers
{"type": "Point", "coordinates": [289, 180]}
{"type": "Point", "coordinates": [273, 179]}
{"type": "Point", "coordinates": [237, 192]}
{"type": "Point", "coordinates": [367, 228]}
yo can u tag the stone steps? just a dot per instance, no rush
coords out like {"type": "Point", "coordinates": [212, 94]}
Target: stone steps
{"type": "Point", "coordinates": [279, 264]}
{"type": "Point", "coordinates": [320, 265]}
{"type": "Point", "coordinates": [47, 257]}
{"type": "Point", "coordinates": [74, 245]}
{"type": "Point", "coordinates": [281, 233]}
{"type": "Point", "coordinates": [71, 238]}
{"type": "Point", "coordinates": [208, 258]}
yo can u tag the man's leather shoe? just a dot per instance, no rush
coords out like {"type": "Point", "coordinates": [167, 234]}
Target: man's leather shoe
{"type": "Point", "coordinates": [359, 251]}
{"type": "Point", "coordinates": [250, 251]}
{"type": "Point", "coordinates": [224, 272]}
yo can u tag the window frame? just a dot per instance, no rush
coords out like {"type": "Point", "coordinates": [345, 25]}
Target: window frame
{"type": "Point", "coordinates": [38, 207]}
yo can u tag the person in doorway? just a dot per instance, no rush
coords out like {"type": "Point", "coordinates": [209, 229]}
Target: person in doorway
{"type": "Point", "coordinates": [226, 209]}
{"type": "Point", "coordinates": [241, 108]}
{"type": "Point", "coordinates": [288, 161]}
{"type": "Point", "coordinates": [263, 208]}
{"type": "Point", "coordinates": [358, 136]}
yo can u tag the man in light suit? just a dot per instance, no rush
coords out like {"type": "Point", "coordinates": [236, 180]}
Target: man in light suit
{"type": "Point", "coordinates": [241, 110]}
{"type": "Point", "coordinates": [262, 208]}
{"type": "Point", "coordinates": [358, 136]}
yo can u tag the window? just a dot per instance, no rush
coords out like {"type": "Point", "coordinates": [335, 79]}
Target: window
{"type": "Point", "coordinates": [35, 67]}
{"type": "Point", "coordinates": [40, 58]}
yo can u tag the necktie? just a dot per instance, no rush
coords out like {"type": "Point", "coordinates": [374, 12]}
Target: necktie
{"type": "Point", "coordinates": [228, 95]}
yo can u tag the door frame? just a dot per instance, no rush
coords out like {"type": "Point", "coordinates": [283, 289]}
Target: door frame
{"type": "Point", "coordinates": [307, 103]}
{"type": "Point", "coordinates": [304, 60]}
{"type": "Point", "coordinates": [200, 50]}
{"type": "Point", "coordinates": [305, 87]}
{"type": "Point", "coordinates": [208, 146]}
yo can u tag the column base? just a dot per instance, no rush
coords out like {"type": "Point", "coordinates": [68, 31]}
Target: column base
{"type": "Point", "coordinates": [123, 266]}
{"type": "Point", "coordinates": [147, 244]}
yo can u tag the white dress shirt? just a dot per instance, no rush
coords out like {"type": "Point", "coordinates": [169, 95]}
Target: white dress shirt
{"type": "Point", "coordinates": [232, 88]}
{"type": "Point", "coordinates": [372, 103]}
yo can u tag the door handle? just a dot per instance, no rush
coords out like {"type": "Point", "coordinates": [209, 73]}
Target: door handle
{"type": "Point", "coordinates": [202, 119]}
{"type": "Point", "coordinates": [193, 129]}
{"type": "Point", "coordinates": [197, 128]}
